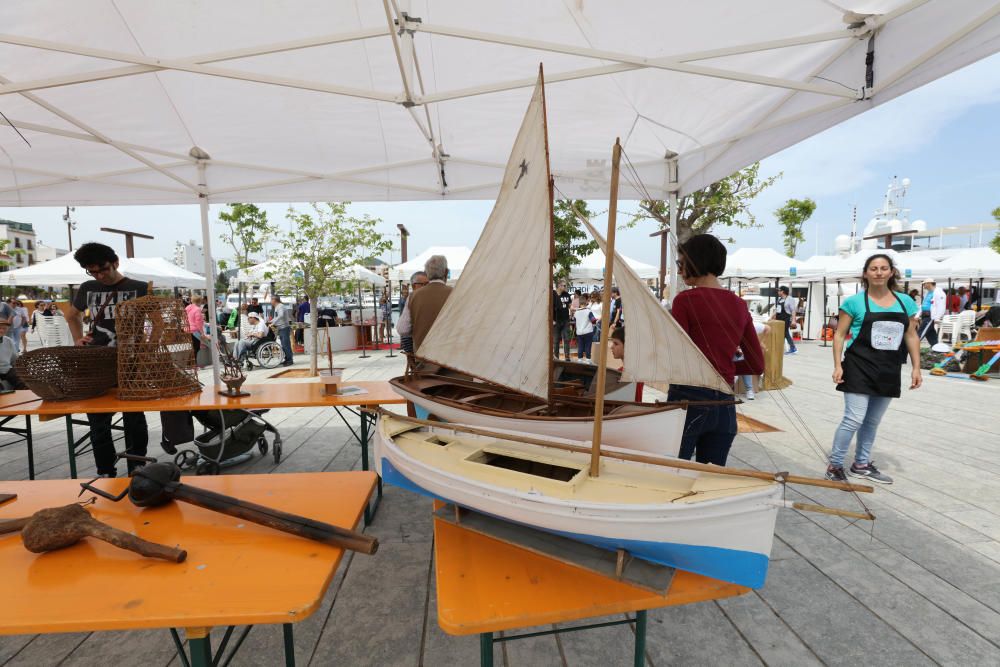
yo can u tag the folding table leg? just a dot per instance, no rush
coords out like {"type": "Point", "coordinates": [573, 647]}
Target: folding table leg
{"type": "Point", "coordinates": [640, 638]}
{"type": "Point", "coordinates": [31, 448]}
{"type": "Point", "coordinates": [486, 649]}
{"type": "Point", "coordinates": [371, 507]}
{"type": "Point", "coordinates": [72, 449]}
{"type": "Point", "coordinates": [287, 632]}
{"type": "Point", "coordinates": [201, 649]}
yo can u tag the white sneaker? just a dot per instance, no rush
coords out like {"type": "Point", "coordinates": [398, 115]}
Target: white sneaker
{"type": "Point", "coordinates": [751, 395]}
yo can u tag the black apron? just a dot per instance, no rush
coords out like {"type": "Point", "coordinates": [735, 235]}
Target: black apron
{"type": "Point", "coordinates": [873, 361]}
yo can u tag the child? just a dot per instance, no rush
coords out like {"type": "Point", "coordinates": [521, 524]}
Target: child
{"type": "Point", "coordinates": [618, 352]}
{"type": "Point", "coordinates": [585, 322]}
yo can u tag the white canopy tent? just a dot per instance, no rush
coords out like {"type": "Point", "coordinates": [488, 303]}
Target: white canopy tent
{"type": "Point", "coordinates": [457, 256]}
{"type": "Point", "coordinates": [749, 263]}
{"type": "Point", "coordinates": [252, 100]}
{"type": "Point", "coordinates": [973, 263]}
{"type": "Point", "coordinates": [591, 268]}
{"type": "Point", "coordinates": [260, 273]}
{"type": "Point", "coordinates": [911, 266]}
{"type": "Point", "coordinates": [66, 271]}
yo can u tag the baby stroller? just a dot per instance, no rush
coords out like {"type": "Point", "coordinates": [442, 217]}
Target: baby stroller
{"type": "Point", "coordinates": [229, 438]}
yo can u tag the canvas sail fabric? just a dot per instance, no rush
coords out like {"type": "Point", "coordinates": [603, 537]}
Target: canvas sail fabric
{"type": "Point", "coordinates": [657, 349]}
{"type": "Point", "coordinates": [507, 341]}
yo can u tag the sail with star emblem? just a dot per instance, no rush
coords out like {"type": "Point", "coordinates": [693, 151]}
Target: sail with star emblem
{"type": "Point", "coordinates": [508, 346]}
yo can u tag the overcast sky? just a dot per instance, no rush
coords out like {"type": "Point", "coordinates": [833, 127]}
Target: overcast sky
{"type": "Point", "coordinates": [944, 137]}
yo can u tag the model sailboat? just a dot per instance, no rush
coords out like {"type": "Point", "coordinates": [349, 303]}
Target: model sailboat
{"type": "Point", "coordinates": [493, 367]}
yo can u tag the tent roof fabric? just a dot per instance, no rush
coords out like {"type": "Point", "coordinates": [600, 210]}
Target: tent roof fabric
{"type": "Point", "coordinates": [973, 263]}
{"type": "Point", "coordinates": [761, 263]}
{"type": "Point", "coordinates": [591, 267]}
{"type": "Point", "coordinates": [457, 257]}
{"type": "Point", "coordinates": [911, 266]}
{"type": "Point", "coordinates": [319, 101]}
{"type": "Point", "coordinates": [66, 271]}
{"type": "Point", "coordinates": [259, 273]}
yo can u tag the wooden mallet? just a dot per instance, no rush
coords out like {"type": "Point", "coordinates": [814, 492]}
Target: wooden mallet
{"type": "Point", "coordinates": [60, 527]}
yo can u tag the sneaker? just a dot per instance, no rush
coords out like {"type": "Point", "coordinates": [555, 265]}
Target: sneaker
{"type": "Point", "coordinates": [869, 472]}
{"type": "Point", "coordinates": [836, 474]}
{"type": "Point", "coordinates": [107, 475]}
{"type": "Point", "coordinates": [791, 351]}
{"type": "Point", "coordinates": [751, 395]}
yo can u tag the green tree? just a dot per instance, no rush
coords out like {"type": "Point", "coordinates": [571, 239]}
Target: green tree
{"type": "Point", "coordinates": [995, 243]}
{"type": "Point", "coordinates": [247, 232]}
{"type": "Point", "coordinates": [319, 246]}
{"type": "Point", "coordinates": [571, 240]}
{"type": "Point", "coordinates": [725, 203]}
{"type": "Point", "coordinates": [792, 216]}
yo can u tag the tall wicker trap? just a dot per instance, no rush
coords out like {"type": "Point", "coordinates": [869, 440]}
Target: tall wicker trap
{"type": "Point", "coordinates": [68, 373]}
{"type": "Point", "coordinates": [155, 355]}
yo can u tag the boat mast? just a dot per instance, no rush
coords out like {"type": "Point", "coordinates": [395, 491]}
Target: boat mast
{"type": "Point", "coordinates": [552, 237]}
{"type": "Point", "coordinates": [602, 356]}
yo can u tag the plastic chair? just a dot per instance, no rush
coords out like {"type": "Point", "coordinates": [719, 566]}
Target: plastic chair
{"type": "Point", "coordinates": [966, 319]}
{"type": "Point", "coordinates": [947, 328]}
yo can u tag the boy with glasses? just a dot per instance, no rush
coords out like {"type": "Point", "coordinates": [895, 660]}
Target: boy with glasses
{"type": "Point", "coordinates": [101, 297]}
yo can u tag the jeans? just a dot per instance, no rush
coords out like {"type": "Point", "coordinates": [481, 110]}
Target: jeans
{"type": "Point", "coordinates": [709, 430]}
{"type": "Point", "coordinates": [136, 439]}
{"type": "Point", "coordinates": [583, 343]}
{"type": "Point", "coordinates": [788, 333]}
{"type": "Point", "coordinates": [927, 324]}
{"type": "Point", "coordinates": [285, 336]}
{"type": "Point", "coordinates": [560, 331]}
{"type": "Point", "coordinates": [747, 382]}
{"type": "Point", "coordinates": [862, 414]}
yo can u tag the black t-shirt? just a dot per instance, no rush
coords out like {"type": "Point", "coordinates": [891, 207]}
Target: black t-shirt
{"type": "Point", "coordinates": [560, 306]}
{"type": "Point", "coordinates": [617, 317]}
{"type": "Point", "coordinates": [255, 308]}
{"type": "Point", "coordinates": [101, 301]}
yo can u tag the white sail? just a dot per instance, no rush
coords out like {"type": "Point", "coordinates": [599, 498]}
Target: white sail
{"type": "Point", "coordinates": [495, 325]}
{"type": "Point", "coordinates": [657, 349]}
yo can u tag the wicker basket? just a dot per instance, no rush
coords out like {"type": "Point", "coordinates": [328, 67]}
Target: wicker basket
{"type": "Point", "coordinates": [156, 357]}
{"type": "Point", "coordinates": [68, 373]}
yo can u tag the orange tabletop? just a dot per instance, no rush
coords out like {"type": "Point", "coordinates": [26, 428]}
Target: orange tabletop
{"type": "Point", "coordinates": [485, 585]}
{"type": "Point", "coordinates": [271, 395]}
{"type": "Point", "coordinates": [236, 572]}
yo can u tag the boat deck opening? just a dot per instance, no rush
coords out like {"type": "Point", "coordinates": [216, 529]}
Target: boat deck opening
{"type": "Point", "coordinates": [526, 466]}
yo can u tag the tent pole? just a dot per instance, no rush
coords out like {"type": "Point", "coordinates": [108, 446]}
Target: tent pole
{"type": "Point", "coordinates": [825, 320]}
{"type": "Point", "coordinates": [672, 181]}
{"type": "Point", "coordinates": [361, 322]}
{"type": "Point", "coordinates": [206, 240]}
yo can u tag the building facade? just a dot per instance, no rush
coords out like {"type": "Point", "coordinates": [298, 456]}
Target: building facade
{"type": "Point", "coordinates": [20, 251]}
{"type": "Point", "coordinates": [189, 256]}
{"type": "Point", "coordinates": [47, 253]}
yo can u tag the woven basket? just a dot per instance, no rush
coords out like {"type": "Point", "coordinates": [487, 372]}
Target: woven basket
{"type": "Point", "coordinates": [68, 373]}
{"type": "Point", "coordinates": [156, 358]}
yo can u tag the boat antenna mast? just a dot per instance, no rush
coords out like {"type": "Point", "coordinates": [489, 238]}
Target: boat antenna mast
{"type": "Point", "coordinates": [602, 355]}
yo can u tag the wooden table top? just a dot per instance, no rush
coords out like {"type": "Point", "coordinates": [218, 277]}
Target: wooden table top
{"type": "Point", "coordinates": [236, 572]}
{"type": "Point", "coordinates": [271, 395]}
{"type": "Point", "coordinates": [485, 585]}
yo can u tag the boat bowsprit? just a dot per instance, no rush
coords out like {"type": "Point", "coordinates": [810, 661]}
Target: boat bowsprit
{"type": "Point", "coordinates": [717, 525]}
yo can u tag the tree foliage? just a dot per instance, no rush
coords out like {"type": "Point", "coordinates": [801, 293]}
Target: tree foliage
{"type": "Point", "coordinates": [571, 241]}
{"type": "Point", "coordinates": [995, 243]}
{"type": "Point", "coordinates": [247, 232]}
{"type": "Point", "coordinates": [725, 203]}
{"type": "Point", "coordinates": [320, 245]}
{"type": "Point", "coordinates": [793, 216]}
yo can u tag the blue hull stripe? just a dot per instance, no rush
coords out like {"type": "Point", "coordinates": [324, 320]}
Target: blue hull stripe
{"type": "Point", "coordinates": [745, 568]}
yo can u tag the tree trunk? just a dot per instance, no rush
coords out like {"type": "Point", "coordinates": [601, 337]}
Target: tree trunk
{"type": "Point", "coordinates": [314, 329]}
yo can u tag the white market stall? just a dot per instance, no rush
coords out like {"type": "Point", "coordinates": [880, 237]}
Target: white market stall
{"type": "Point", "coordinates": [66, 271]}
{"type": "Point", "coordinates": [245, 100]}
{"type": "Point", "coordinates": [457, 256]}
{"type": "Point", "coordinates": [591, 268]}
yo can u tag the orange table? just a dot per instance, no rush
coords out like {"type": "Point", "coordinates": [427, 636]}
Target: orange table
{"type": "Point", "coordinates": [485, 586]}
{"type": "Point", "coordinates": [236, 573]}
{"type": "Point", "coordinates": [272, 395]}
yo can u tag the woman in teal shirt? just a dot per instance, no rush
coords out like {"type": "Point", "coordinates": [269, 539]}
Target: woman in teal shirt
{"type": "Point", "coordinates": [883, 334]}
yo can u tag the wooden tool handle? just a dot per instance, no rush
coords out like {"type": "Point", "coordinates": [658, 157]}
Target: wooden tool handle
{"type": "Point", "coordinates": [13, 525]}
{"type": "Point", "coordinates": [272, 518]}
{"type": "Point", "coordinates": [123, 540]}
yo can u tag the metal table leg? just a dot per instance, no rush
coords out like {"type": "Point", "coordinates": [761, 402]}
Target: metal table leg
{"type": "Point", "coordinates": [286, 631]}
{"type": "Point", "coordinates": [640, 638]}
{"type": "Point", "coordinates": [200, 647]}
{"type": "Point", "coordinates": [31, 448]}
{"type": "Point", "coordinates": [72, 447]}
{"type": "Point", "coordinates": [372, 506]}
{"type": "Point", "coordinates": [486, 649]}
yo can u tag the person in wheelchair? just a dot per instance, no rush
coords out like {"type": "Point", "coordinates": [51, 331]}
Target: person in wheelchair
{"type": "Point", "coordinates": [257, 333]}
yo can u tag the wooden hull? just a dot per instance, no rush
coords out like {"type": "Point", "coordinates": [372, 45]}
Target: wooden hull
{"type": "Point", "coordinates": [719, 526]}
{"type": "Point", "coordinates": [646, 427]}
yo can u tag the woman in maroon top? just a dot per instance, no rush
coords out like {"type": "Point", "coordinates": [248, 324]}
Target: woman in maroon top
{"type": "Point", "coordinates": [719, 323]}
